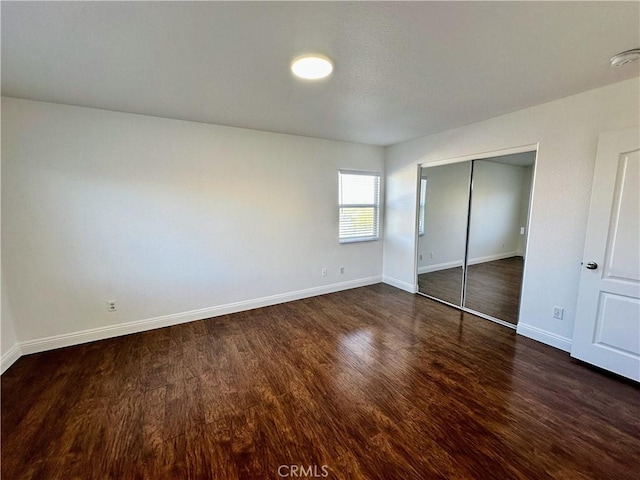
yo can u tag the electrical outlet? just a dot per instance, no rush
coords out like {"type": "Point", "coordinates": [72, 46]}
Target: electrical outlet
{"type": "Point", "coordinates": [111, 306]}
{"type": "Point", "coordinates": [521, 230]}
{"type": "Point", "coordinates": [431, 255]}
{"type": "Point", "coordinates": [324, 271]}
{"type": "Point", "coordinates": [558, 313]}
{"type": "Point", "coordinates": [420, 257]}
{"type": "Point", "coordinates": [341, 270]}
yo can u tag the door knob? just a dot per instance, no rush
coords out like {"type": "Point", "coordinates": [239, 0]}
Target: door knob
{"type": "Point", "coordinates": [592, 265]}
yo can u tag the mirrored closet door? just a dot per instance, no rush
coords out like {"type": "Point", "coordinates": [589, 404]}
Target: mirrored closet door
{"type": "Point", "coordinates": [472, 230]}
{"type": "Point", "coordinates": [442, 230]}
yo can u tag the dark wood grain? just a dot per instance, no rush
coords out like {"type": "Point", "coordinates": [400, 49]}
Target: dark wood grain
{"type": "Point", "coordinates": [374, 383]}
{"type": "Point", "coordinates": [493, 288]}
{"type": "Point", "coordinates": [445, 285]}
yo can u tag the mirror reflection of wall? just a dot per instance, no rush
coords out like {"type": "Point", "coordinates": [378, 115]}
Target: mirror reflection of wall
{"type": "Point", "coordinates": [484, 232]}
{"type": "Point", "coordinates": [442, 226]}
{"type": "Point", "coordinates": [497, 233]}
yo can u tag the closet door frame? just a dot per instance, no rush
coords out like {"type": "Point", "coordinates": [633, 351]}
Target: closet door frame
{"type": "Point", "coordinates": [471, 158]}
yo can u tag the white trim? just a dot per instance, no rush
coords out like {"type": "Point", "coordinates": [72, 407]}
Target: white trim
{"type": "Point", "coordinates": [416, 237]}
{"type": "Point", "coordinates": [439, 266]}
{"type": "Point", "coordinates": [359, 172]}
{"type": "Point", "coordinates": [544, 336]}
{"type": "Point", "coordinates": [394, 282]}
{"type": "Point", "coordinates": [480, 156]}
{"type": "Point", "coordinates": [10, 357]}
{"type": "Point", "coordinates": [492, 258]}
{"type": "Point", "coordinates": [473, 261]}
{"type": "Point", "coordinates": [101, 333]}
{"type": "Point", "coordinates": [488, 317]}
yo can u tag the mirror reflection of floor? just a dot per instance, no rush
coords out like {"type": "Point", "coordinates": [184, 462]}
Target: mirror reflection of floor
{"type": "Point", "coordinates": [443, 284]}
{"type": "Point", "coordinates": [493, 288]}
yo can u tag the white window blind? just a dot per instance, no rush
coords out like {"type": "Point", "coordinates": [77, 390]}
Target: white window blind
{"type": "Point", "coordinates": [359, 205]}
{"type": "Point", "coordinates": [423, 203]}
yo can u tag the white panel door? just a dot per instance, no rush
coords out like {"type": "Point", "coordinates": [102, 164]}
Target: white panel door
{"type": "Point", "coordinates": [607, 327]}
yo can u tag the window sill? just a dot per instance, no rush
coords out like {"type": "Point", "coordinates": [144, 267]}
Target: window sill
{"type": "Point", "coordinates": [358, 240]}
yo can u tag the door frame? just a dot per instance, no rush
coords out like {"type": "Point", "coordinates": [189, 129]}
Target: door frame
{"type": "Point", "coordinates": [610, 143]}
{"type": "Point", "coordinates": [534, 147]}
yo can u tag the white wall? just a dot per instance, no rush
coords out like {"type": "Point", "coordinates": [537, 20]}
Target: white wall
{"type": "Point", "coordinates": [494, 227]}
{"type": "Point", "coordinates": [8, 339]}
{"type": "Point", "coordinates": [164, 217]}
{"type": "Point", "coordinates": [446, 208]}
{"type": "Point", "coordinates": [499, 208]}
{"type": "Point", "coordinates": [567, 133]}
{"type": "Point", "coordinates": [9, 347]}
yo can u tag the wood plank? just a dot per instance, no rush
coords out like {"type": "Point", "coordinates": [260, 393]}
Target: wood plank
{"type": "Point", "coordinates": [493, 288]}
{"type": "Point", "coordinates": [371, 382]}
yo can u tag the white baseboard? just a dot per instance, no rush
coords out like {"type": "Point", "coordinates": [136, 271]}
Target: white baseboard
{"type": "Point", "coordinates": [10, 357]}
{"type": "Point", "coordinates": [491, 258]}
{"type": "Point", "coordinates": [109, 331]}
{"type": "Point", "coordinates": [472, 261]}
{"type": "Point", "coordinates": [544, 336]}
{"type": "Point", "coordinates": [101, 333]}
{"type": "Point", "coordinates": [394, 282]}
{"type": "Point", "coordinates": [439, 266]}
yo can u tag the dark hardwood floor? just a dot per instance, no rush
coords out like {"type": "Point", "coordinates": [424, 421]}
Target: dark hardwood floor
{"type": "Point", "coordinates": [443, 284]}
{"type": "Point", "coordinates": [493, 288]}
{"type": "Point", "coordinates": [373, 383]}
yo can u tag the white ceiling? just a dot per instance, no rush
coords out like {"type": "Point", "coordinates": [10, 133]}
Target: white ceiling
{"type": "Point", "coordinates": [402, 69]}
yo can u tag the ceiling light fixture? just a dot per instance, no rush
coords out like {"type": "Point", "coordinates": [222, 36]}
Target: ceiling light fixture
{"type": "Point", "coordinates": [312, 66]}
{"type": "Point", "coordinates": [625, 57]}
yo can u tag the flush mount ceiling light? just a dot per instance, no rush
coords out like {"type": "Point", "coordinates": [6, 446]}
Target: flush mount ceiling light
{"type": "Point", "coordinates": [625, 57]}
{"type": "Point", "coordinates": [312, 66]}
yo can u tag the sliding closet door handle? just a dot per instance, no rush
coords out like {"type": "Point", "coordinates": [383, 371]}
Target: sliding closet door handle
{"type": "Point", "coordinates": [592, 265]}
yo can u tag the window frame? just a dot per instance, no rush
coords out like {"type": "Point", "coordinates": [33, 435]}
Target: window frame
{"type": "Point", "coordinates": [375, 206]}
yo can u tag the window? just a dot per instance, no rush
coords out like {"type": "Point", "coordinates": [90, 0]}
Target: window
{"type": "Point", "coordinates": [423, 203]}
{"type": "Point", "coordinates": [359, 206]}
